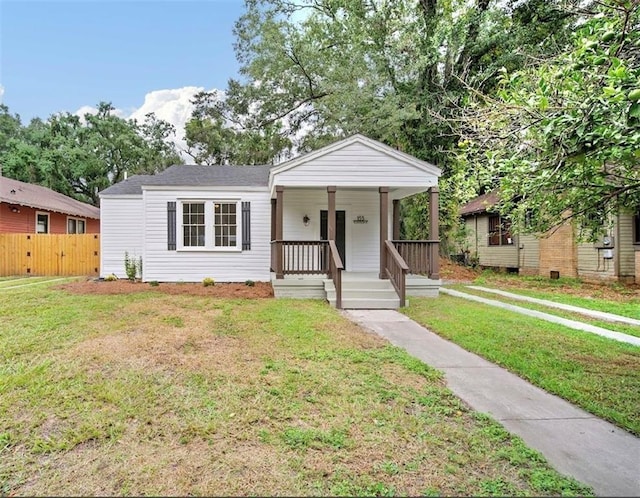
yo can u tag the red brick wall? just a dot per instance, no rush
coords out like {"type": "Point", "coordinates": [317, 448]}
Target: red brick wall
{"type": "Point", "coordinates": [25, 221]}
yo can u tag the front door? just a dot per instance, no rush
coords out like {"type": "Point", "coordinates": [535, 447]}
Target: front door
{"type": "Point", "coordinates": [340, 232]}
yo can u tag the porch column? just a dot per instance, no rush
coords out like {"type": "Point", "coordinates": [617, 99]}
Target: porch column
{"type": "Point", "coordinates": [434, 234]}
{"type": "Point", "coordinates": [278, 229]}
{"type": "Point", "coordinates": [384, 228]}
{"type": "Point", "coordinates": [396, 219]}
{"type": "Point", "coordinates": [331, 213]}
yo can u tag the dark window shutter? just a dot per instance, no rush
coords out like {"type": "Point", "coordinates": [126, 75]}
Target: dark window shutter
{"type": "Point", "coordinates": [246, 226]}
{"type": "Point", "coordinates": [171, 226]}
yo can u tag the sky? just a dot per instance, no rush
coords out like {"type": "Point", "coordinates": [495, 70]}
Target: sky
{"type": "Point", "coordinates": [140, 55]}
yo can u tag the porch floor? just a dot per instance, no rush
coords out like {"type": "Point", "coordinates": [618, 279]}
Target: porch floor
{"type": "Point", "coordinates": [360, 290]}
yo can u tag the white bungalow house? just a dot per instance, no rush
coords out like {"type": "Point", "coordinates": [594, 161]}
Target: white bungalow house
{"type": "Point", "coordinates": [324, 225]}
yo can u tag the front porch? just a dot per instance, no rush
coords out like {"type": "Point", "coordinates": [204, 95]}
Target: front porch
{"type": "Point", "coordinates": [335, 226]}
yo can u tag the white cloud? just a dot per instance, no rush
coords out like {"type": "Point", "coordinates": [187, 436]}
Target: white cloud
{"type": "Point", "coordinates": [172, 105]}
{"type": "Point", "coordinates": [1, 93]}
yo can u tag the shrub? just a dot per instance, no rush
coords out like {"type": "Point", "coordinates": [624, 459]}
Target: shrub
{"type": "Point", "coordinates": [111, 278]}
{"type": "Point", "coordinates": [132, 267]}
{"type": "Point", "coordinates": [249, 283]}
{"type": "Point", "coordinates": [208, 282]}
{"type": "Point", "coordinates": [154, 283]}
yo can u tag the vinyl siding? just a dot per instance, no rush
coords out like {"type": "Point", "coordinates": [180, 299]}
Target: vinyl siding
{"type": "Point", "coordinates": [25, 220]}
{"type": "Point", "coordinates": [121, 226]}
{"type": "Point", "coordinates": [625, 249]}
{"type": "Point", "coordinates": [192, 266]}
{"type": "Point", "coordinates": [591, 264]}
{"type": "Point", "coordinates": [356, 166]}
{"type": "Point", "coordinates": [361, 240]}
{"type": "Point", "coordinates": [529, 252]}
{"type": "Point", "coordinates": [496, 256]}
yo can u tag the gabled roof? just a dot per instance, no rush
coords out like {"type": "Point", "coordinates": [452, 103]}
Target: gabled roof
{"type": "Point", "coordinates": [481, 204]}
{"type": "Point", "coordinates": [190, 175]}
{"type": "Point", "coordinates": [368, 142]}
{"type": "Point", "coordinates": [38, 197]}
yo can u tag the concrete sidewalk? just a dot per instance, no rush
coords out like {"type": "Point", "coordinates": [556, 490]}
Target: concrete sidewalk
{"type": "Point", "coordinates": [574, 442]}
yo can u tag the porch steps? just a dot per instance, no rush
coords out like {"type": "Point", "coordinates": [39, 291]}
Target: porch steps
{"type": "Point", "coordinates": [364, 294]}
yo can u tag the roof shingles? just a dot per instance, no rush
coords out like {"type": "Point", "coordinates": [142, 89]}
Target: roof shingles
{"type": "Point", "coordinates": [35, 196]}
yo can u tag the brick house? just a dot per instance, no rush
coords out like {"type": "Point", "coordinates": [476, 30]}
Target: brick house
{"type": "Point", "coordinates": [614, 257]}
{"type": "Point", "coordinates": [27, 208]}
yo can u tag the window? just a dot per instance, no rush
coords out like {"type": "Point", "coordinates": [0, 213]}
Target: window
{"type": "Point", "coordinates": [211, 225]}
{"type": "Point", "coordinates": [42, 222]}
{"type": "Point", "coordinates": [193, 226]}
{"type": "Point", "coordinates": [636, 228]}
{"type": "Point", "coordinates": [225, 224]}
{"type": "Point", "coordinates": [499, 231]}
{"type": "Point", "coordinates": [76, 225]}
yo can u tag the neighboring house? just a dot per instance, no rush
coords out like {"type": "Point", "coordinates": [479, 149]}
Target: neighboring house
{"type": "Point", "coordinates": [27, 208]}
{"type": "Point", "coordinates": [615, 257]}
{"type": "Point", "coordinates": [296, 224]}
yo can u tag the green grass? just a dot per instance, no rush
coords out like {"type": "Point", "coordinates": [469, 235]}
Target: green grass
{"type": "Point", "coordinates": [598, 374]}
{"type": "Point", "coordinates": [173, 395]}
{"type": "Point", "coordinates": [614, 326]}
{"type": "Point", "coordinates": [628, 303]}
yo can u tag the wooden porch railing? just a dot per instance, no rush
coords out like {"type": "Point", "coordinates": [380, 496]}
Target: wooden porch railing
{"type": "Point", "coordinates": [396, 270]}
{"type": "Point", "coordinates": [305, 257]}
{"type": "Point", "coordinates": [335, 271]}
{"type": "Point", "coordinates": [419, 255]}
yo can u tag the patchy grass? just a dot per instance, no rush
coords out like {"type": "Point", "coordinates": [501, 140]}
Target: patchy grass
{"type": "Point", "coordinates": [598, 374]}
{"type": "Point", "coordinates": [615, 326]}
{"type": "Point", "coordinates": [157, 394]}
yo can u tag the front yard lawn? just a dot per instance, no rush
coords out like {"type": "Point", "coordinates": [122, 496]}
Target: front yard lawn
{"type": "Point", "coordinates": [156, 394]}
{"type": "Point", "coordinates": [598, 374]}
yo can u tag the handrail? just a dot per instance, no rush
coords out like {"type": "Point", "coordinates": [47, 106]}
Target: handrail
{"type": "Point", "coordinates": [420, 255]}
{"type": "Point", "coordinates": [335, 271]}
{"type": "Point", "coordinates": [396, 269]}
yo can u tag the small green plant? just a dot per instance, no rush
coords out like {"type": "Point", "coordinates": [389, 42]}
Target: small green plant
{"type": "Point", "coordinates": [154, 283]}
{"type": "Point", "coordinates": [249, 283]}
{"type": "Point", "coordinates": [111, 278]}
{"type": "Point", "coordinates": [208, 282]}
{"type": "Point", "coordinates": [132, 267]}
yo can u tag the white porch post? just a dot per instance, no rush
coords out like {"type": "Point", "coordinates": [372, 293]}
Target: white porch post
{"type": "Point", "coordinates": [384, 228]}
{"type": "Point", "coordinates": [434, 234]}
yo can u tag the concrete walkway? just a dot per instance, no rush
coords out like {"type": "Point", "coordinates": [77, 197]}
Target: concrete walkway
{"type": "Point", "coordinates": [572, 324]}
{"type": "Point", "coordinates": [601, 315]}
{"type": "Point", "coordinates": [574, 442]}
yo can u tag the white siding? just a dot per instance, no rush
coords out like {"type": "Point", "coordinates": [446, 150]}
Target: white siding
{"type": "Point", "coordinates": [121, 229]}
{"type": "Point", "coordinates": [356, 165]}
{"type": "Point", "coordinates": [361, 239]}
{"type": "Point", "coordinates": [192, 266]}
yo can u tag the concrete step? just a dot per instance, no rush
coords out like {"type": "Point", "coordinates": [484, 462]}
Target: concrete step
{"type": "Point", "coordinates": [361, 284]}
{"type": "Point", "coordinates": [367, 303]}
{"type": "Point", "coordinates": [363, 293]}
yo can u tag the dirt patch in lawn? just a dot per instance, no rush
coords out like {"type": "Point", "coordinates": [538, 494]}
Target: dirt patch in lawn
{"type": "Point", "coordinates": [221, 290]}
{"type": "Point", "coordinates": [454, 272]}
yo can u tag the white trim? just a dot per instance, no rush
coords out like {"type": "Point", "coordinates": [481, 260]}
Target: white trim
{"type": "Point", "coordinates": [48, 215]}
{"type": "Point", "coordinates": [209, 226]}
{"type": "Point", "coordinates": [120, 196]}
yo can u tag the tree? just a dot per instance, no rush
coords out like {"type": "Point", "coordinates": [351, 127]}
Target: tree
{"type": "Point", "coordinates": [79, 156]}
{"type": "Point", "coordinates": [561, 138]}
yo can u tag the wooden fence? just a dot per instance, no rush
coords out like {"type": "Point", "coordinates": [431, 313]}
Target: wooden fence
{"type": "Point", "coordinates": [47, 254]}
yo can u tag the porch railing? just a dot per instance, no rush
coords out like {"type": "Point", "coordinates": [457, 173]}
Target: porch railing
{"type": "Point", "coordinates": [335, 271]}
{"type": "Point", "coordinates": [396, 270]}
{"type": "Point", "coordinates": [420, 255]}
{"type": "Point", "coordinates": [305, 257]}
